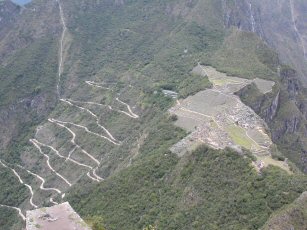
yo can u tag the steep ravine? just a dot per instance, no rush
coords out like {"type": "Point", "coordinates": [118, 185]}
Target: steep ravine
{"type": "Point", "coordinates": [280, 23]}
{"type": "Point", "coordinates": [283, 111]}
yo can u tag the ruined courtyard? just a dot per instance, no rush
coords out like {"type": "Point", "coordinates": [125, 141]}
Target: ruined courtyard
{"type": "Point", "coordinates": [219, 119]}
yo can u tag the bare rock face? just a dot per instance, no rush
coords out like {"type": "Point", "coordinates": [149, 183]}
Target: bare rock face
{"type": "Point", "coordinates": [244, 15]}
{"type": "Point", "coordinates": [20, 27]}
{"type": "Point", "coordinates": [21, 112]}
{"type": "Point", "coordinates": [280, 23]}
{"type": "Point", "coordinates": [272, 110]}
{"type": "Point", "coordinates": [60, 217]}
{"type": "Point", "coordinates": [8, 14]}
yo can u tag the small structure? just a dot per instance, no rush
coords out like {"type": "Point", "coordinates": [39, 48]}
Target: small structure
{"type": "Point", "coordinates": [59, 217]}
{"type": "Point", "coordinates": [170, 93]}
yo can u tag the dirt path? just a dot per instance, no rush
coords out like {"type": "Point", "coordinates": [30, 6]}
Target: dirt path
{"type": "Point", "coordinates": [73, 139]}
{"type": "Point", "coordinates": [92, 114]}
{"type": "Point", "coordinates": [61, 156]}
{"type": "Point", "coordinates": [15, 208]}
{"type": "Point", "coordinates": [91, 83]}
{"type": "Point", "coordinates": [61, 47]}
{"type": "Point", "coordinates": [21, 182]}
{"type": "Point", "coordinates": [53, 202]}
{"type": "Point", "coordinates": [92, 178]}
{"type": "Point", "coordinates": [84, 128]}
{"type": "Point", "coordinates": [42, 187]}
{"type": "Point", "coordinates": [132, 114]}
{"type": "Point", "coordinates": [95, 174]}
{"type": "Point", "coordinates": [33, 141]}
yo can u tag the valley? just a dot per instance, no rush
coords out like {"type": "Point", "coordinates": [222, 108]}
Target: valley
{"type": "Point", "coordinates": [149, 115]}
{"type": "Point", "coordinates": [59, 157]}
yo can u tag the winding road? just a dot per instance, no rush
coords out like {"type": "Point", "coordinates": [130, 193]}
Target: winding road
{"type": "Point", "coordinates": [33, 141]}
{"type": "Point", "coordinates": [73, 139]}
{"type": "Point", "coordinates": [17, 209]}
{"type": "Point", "coordinates": [22, 182]}
{"type": "Point", "coordinates": [92, 169]}
{"type": "Point", "coordinates": [42, 187]}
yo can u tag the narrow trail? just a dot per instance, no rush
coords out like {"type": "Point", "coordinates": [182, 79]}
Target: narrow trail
{"type": "Point", "coordinates": [95, 174]}
{"type": "Point", "coordinates": [61, 156]}
{"type": "Point", "coordinates": [70, 153]}
{"type": "Point", "coordinates": [23, 183]}
{"type": "Point", "coordinates": [92, 83]}
{"type": "Point", "coordinates": [298, 34]}
{"type": "Point", "coordinates": [102, 105]}
{"type": "Point", "coordinates": [87, 102]}
{"type": "Point", "coordinates": [17, 209]}
{"type": "Point", "coordinates": [61, 47]}
{"type": "Point", "coordinates": [132, 114]}
{"type": "Point", "coordinates": [253, 22]}
{"type": "Point", "coordinates": [48, 162]}
{"type": "Point", "coordinates": [92, 178]}
{"type": "Point", "coordinates": [84, 128]}
{"type": "Point", "coordinates": [73, 139]}
{"type": "Point", "coordinates": [70, 102]}
{"type": "Point", "coordinates": [42, 187]}
{"type": "Point", "coordinates": [53, 202]}
{"type": "Point", "coordinates": [38, 144]}
{"type": "Point", "coordinates": [69, 159]}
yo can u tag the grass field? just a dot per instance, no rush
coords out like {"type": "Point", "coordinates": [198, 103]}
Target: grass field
{"type": "Point", "coordinates": [237, 134]}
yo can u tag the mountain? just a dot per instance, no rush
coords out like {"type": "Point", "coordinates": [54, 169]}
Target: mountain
{"type": "Point", "coordinates": [88, 94]}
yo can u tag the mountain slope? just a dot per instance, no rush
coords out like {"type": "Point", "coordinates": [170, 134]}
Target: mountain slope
{"type": "Point", "coordinates": [292, 216]}
{"type": "Point", "coordinates": [101, 114]}
{"type": "Point", "coordinates": [206, 189]}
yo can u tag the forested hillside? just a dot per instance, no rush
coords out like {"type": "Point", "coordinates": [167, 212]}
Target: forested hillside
{"type": "Point", "coordinates": [85, 113]}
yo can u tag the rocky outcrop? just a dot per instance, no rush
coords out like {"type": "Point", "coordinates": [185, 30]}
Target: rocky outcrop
{"type": "Point", "coordinates": [280, 23]}
{"type": "Point", "coordinates": [20, 27]}
{"type": "Point", "coordinates": [284, 110]}
{"type": "Point", "coordinates": [25, 112]}
{"type": "Point", "coordinates": [272, 110]}
{"type": "Point", "coordinates": [242, 14]}
{"type": "Point", "coordinates": [8, 14]}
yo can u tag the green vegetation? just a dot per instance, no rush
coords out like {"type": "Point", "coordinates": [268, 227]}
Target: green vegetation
{"type": "Point", "coordinates": [29, 72]}
{"type": "Point", "coordinates": [287, 123]}
{"type": "Point", "coordinates": [207, 189]}
{"type": "Point", "coordinates": [192, 85]}
{"type": "Point", "coordinates": [128, 45]}
{"type": "Point", "coordinates": [95, 222]}
{"type": "Point", "coordinates": [11, 194]}
{"type": "Point", "coordinates": [293, 216]}
{"type": "Point", "coordinates": [238, 135]}
{"type": "Point", "coordinates": [244, 55]}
